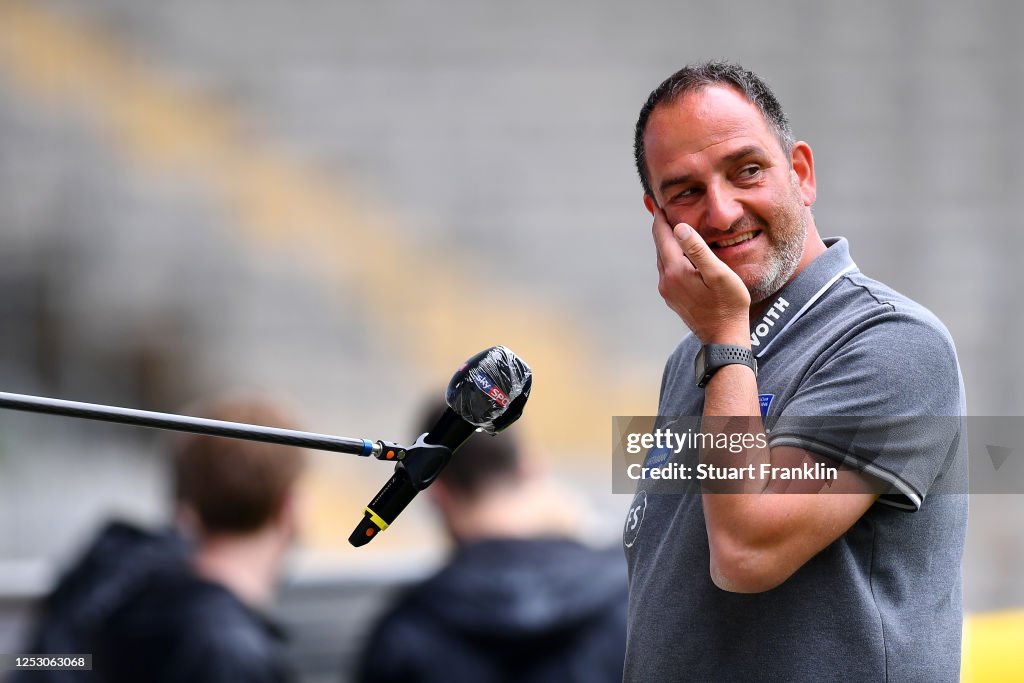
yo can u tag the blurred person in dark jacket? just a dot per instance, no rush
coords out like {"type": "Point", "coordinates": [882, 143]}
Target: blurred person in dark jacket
{"type": "Point", "coordinates": [187, 604]}
{"type": "Point", "coordinates": [520, 599]}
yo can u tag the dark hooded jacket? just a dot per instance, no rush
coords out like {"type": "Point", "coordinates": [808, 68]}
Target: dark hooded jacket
{"type": "Point", "coordinates": [507, 611]}
{"type": "Point", "coordinates": [133, 602]}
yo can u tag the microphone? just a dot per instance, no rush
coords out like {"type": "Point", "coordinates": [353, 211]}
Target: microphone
{"type": "Point", "coordinates": [487, 392]}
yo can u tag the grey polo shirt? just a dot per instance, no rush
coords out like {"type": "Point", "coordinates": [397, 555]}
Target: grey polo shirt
{"type": "Point", "coordinates": [855, 373]}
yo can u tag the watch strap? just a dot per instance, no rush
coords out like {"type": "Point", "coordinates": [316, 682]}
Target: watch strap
{"type": "Point", "coordinates": [717, 356]}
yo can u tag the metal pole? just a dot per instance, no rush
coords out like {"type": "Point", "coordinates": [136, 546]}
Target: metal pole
{"type": "Point", "coordinates": [196, 425]}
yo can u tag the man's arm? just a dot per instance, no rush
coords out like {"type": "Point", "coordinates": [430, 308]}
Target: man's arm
{"type": "Point", "coordinates": [757, 540]}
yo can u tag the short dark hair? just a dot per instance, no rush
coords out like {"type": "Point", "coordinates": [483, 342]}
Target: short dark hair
{"type": "Point", "coordinates": [480, 461]}
{"type": "Point", "coordinates": [236, 486]}
{"type": "Point", "coordinates": [701, 75]}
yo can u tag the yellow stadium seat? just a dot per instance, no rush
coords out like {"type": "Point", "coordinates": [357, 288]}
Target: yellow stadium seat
{"type": "Point", "coordinates": [993, 649]}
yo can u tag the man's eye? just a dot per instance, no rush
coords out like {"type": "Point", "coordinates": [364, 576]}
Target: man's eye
{"type": "Point", "coordinates": [685, 194]}
{"type": "Point", "coordinates": [749, 171]}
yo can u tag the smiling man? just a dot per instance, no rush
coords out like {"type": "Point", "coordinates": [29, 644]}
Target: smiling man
{"type": "Point", "coordinates": [852, 568]}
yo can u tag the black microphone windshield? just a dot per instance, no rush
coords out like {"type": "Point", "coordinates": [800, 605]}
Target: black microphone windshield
{"type": "Point", "coordinates": [490, 389]}
{"type": "Point", "coordinates": [487, 392]}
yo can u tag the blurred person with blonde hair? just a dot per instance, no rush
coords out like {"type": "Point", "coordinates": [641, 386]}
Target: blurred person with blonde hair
{"type": "Point", "coordinates": [187, 605]}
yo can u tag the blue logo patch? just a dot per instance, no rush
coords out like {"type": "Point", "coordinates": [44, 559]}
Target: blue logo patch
{"type": "Point", "coordinates": [656, 457]}
{"type": "Point", "coordinates": [766, 403]}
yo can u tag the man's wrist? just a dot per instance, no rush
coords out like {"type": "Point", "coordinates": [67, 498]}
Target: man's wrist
{"type": "Point", "coordinates": [732, 338]}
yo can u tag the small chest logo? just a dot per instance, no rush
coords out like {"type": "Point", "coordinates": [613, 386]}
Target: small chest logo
{"type": "Point", "coordinates": [634, 518]}
{"type": "Point", "coordinates": [766, 402]}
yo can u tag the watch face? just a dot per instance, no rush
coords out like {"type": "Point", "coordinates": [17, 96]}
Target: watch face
{"type": "Point", "coordinates": [698, 364]}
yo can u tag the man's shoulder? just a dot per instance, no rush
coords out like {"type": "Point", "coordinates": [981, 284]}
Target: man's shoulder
{"type": "Point", "coordinates": [179, 605]}
{"type": "Point", "coordinates": [888, 329]}
{"type": "Point", "coordinates": [861, 297]}
{"type": "Point", "coordinates": [192, 625]}
{"type": "Point", "coordinates": [510, 569]}
{"type": "Point", "coordinates": [855, 299]}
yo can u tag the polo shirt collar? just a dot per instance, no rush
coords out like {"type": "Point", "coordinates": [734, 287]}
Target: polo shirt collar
{"type": "Point", "coordinates": [800, 293]}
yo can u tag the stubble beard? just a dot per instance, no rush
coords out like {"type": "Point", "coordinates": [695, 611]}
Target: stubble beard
{"type": "Point", "coordinates": [785, 249]}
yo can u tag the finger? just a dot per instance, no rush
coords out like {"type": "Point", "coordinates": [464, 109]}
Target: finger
{"type": "Point", "coordinates": [669, 250]}
{"type": "Point", "coordinates": [697, 250]}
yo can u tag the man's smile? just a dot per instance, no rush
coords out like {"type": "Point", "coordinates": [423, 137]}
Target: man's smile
{"type": "Point", "coordinates": [733, 241]}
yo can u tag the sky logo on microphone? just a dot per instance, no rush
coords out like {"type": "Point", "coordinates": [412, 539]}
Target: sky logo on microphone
{"type": "Point", "coordinates": [488, 387]}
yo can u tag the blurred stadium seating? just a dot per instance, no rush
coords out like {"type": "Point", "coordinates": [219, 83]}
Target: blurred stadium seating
{"type": "Point", "coordinates": [339, 202]}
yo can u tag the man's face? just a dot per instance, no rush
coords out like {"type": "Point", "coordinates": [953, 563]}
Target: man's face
{"type": "Point", "coordinates": [715, 164]}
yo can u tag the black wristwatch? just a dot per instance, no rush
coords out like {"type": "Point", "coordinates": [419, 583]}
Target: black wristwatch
{"type": "Point", "coordinates": [711, 357]}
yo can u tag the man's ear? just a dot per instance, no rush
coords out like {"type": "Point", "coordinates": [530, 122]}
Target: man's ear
{"type": "Point", "coordinates": [530, 466]}
{"type": "Point", "coordinates": [650, 203]}
{"type": "Point", "coordinates": [288, 514]}
{"type": "Point", "coordinates": [440, 495]}
{"type": "Point", "coordinates": [803, 166]}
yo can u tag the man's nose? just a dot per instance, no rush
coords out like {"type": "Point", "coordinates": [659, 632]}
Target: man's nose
{"type": "Point", "coordinates": [722, 208]}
